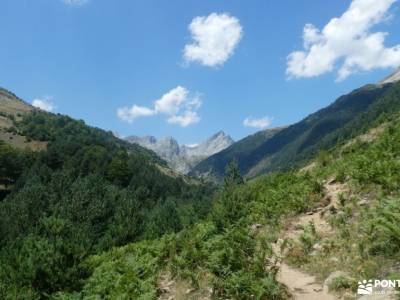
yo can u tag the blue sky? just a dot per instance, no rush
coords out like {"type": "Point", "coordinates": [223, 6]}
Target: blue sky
{"type": "Point", "coordinates": [93, 59]}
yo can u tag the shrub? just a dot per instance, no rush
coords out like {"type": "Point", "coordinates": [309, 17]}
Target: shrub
{"type": "Point", "coordinates": [339, 284]}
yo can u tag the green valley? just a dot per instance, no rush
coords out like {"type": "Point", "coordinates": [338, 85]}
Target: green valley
{"type": "Point", "coordinates": [91, 216]}
{"type": "Point", "coordinates": [199, 150]}
{"type": "Point", "coordinates": [232, 253]}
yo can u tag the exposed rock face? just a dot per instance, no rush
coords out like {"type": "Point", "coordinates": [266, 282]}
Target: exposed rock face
{"type": "Point", "coordinates": [214, 144]}
{"type": "Point", "coordinates": [392, 78]}
{"type": "Point", "coordinates": [183, 158]}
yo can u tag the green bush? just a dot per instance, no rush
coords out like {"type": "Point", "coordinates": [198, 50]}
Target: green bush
{"type": "Point", "coordinates": [339, 284]}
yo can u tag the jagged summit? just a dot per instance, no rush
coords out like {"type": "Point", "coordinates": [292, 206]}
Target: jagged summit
{"type": "Point", "coordinates": [219, 133]}
{"type": "Point", "coordinates": [183, 158]}
{"type": "Point", "coordinates": [148, 139]}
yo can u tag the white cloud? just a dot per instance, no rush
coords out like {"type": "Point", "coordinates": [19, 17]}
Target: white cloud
{"type": "Point", "coordinates": [171, 102]}
{"type": "Point", "coordinates": [215, 38]}
{"type": "Point", "coordinates": [346, 42]}
{"type": "Point", "coordinates": [257, 123]}
{"type": "Point", "coordinates": [129, 114]}
{"type": "Point", "coordinates": [75, 2]}
{"type": "Point", "coordinates": [44, 103]}
{"type": "Point", "coordinates": [185, 119]}
{"type": "Point", "coordinates": [179, 105]}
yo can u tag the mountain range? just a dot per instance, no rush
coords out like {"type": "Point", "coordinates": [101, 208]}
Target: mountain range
{"type": "Point", "coordinates": [284, 148]}
{"type": "Point", "coordinates": [182, 158]}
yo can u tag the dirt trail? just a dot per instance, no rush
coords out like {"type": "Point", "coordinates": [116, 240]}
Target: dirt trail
{"type": "Point", "coordinates": [303, 286]}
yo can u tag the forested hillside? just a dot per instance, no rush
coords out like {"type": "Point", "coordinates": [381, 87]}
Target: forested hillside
{"type": "Point", "coordinates": [294, 145]}
{"type": "Point", "coordinates": [94, 217]}
{"type": "Point", "coordinates": [238, 151]}
{"type": "Point", "coordinates": [85, 193]}
{"type": "Point", "coordinates": [234, 253]}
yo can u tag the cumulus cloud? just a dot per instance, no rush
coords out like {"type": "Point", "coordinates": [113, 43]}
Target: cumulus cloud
{"type": "Point", "coordinates": [346, 42]}
{"type": "Point", "coordinates": [171, 102]}
{"type": "Point", "coordinates": [257, 123]}
{"type": "Point", "coordinates": [44, 103]}
{"type": "Point", "coordinates": [185, 119]}
{"type": "Point", "coordinates": [215, 38]}
{"type": "Point", "coordinates": [179, 105]}
{"type": "Point", "coordinates": [75, 2]}
{"type": "Point", "coordinates": [129, 114]}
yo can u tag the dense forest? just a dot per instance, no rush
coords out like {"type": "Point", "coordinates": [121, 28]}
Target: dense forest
{"type": "Point", "coordinates": [88, 192]}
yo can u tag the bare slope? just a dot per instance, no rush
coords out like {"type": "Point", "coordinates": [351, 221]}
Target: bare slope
{"type": "Point", "coordinates": [13, 109]}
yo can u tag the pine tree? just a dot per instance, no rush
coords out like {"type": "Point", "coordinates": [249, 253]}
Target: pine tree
{"type": "Point", "coordinates": [232, 175]}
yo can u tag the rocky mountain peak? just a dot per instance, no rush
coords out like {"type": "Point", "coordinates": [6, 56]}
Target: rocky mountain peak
{"type": "Point", "coordinates": [183, 157]}
{"type": "Point", "coordinates": [212, 145]}
{"type": "Point", "coordinates": [219, 133]}
{"type": "Point", "coordinates": [168, 141]}
{"type": "Point", "coordinates": [142, 140]}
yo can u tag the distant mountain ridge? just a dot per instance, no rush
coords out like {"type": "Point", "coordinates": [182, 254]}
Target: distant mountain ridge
{"type": "Point", "coordinates": [236, 151]}
{"type": "Point", "coordinates": [183, 158]}
{"type": "Point", "coordinates": [294, 145]}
